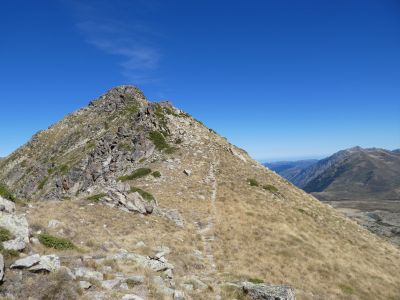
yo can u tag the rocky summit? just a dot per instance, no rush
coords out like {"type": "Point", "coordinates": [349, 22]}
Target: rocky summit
{"type": "Point", "coordinates": [131, 199]}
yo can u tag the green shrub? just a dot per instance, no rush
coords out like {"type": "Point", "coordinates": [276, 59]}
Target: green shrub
{"type": "Point", "coordinates": [146, 195]}
{"type": "Point", "coordinates": [255, 280]}
{"type": "Point", "coordinates": [132, 109]}
{"type": "Point", "coordinates": [159, 140]}
{"type": "Point", "coordinates": [5, 234]}
{"type": "Point", "coordinates": [42, 183]}
{"type": "Point", "coordinates": [55, 242]}
{"type": "Point", "coordinates": [6, 193]}
{"type": "Point", "coordinates": [270, 188]}
{"type": "Point", "coordinates": [143, 159]}
{"type": "Point", "coordinates": [96, 198]}
{"type": "Point", "coordinates": [141, 172]}
{"type": "Point", "coordinates": [156, 174]}
{"type": "Point", "coordinates": [9, 253]}
{"type": "Point", "coordinates": [64, 169]}
{"type": "Point", "coordinates": [253, 182]}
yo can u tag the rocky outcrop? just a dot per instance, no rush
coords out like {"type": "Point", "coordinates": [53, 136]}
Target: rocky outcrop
{"type": "Point", "coordinates": [7, 206]}
{"type": "Point", "coordinates": [16, 224]}
{"type": "Point", "coordinates": [264, 291]}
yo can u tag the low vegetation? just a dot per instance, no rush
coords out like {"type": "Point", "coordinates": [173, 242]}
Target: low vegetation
{"type": "Point", "coordinates": [141, 172]}
{"type": "Point", "coordinates": [255, 280]}
{"type": "Point", "coordinates": [6, 193]}
{"type": "Point", "coordinates": [270, 188]}
{"type": "Point", "coordinates": [159, 140]}
{"type": "Point", "coordinates": [42, 183]}
{"type": "Point", "coordinates": [252, 182]}
{"type": "Point", "coordinates": [96, 197]}
{"type": "Point", "coordinates": [146, 195]}
{"type": "Point", "coordinates": [156, 174]}
{"type": "Point", "coordinates": [5, 234]}
{"type": "Point", "coordinates": [55, 242]}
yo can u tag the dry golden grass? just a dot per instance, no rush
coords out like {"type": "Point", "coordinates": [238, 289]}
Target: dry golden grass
{"type": "Point", "coordinates": [284, 237]}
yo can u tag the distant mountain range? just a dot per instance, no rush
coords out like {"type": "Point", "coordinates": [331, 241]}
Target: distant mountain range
{"type": "Point", "coordinates": [351, 174]}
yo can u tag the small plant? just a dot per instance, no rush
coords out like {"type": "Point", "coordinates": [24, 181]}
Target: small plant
{"type": "Point", "coordinates": [156, 174]}
{"type": "Point", "coordinates": [132, 109]}
{"type": "Point", "coordinates": [159, 140]}
{"type": "Point", "coordinates": [96, 198]}
{"type": "Point", "coordinates": [143, 159]}
{"type": "Point", "coordinates": [6, 193]}
{"type": "Point", "coordinates": [270, 188]}
{"type": "Point", "coordinates": [141, 172]}
{"type": "Point", "coordinates": [255, 280]}
{"type": "Point", "coordinates": [146, 195]}
{"type": "Point", "coordinates": [5, 234]}
{"type": "Point", "coordinates": [64, 169]}
{"type": "Point", "coordinates": [178, 141]}
{"type": "Point", "coordinates": [42, 183]}
{"type": "Point", "coordinates": [253, 182]}
{"type": "Point", "coordinates": [55, 242]}
{"type": "Point", "coordinates": [9, 253]}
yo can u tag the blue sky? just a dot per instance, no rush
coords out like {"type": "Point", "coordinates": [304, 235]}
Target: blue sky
{"type": "Point", "coordinates": [281, 79]}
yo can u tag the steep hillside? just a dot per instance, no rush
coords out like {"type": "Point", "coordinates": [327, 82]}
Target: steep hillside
{"type": "Point", "coordinates": [290, 169]}
{"type": "Point", "coordinates": [353, 174]}
{"type": "Point", "coordinates": [125, 173]}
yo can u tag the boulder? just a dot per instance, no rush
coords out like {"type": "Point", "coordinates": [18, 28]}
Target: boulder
{"type": "Point", "coordinates": [1, 267]}
{"type": "Point", "coordinates": [16, 244]}
{"type": "Point", "coordinates": [179, 295]}
{"type": "Point", "coordinates": [88, 274]}
{"type": "Point", "coordinates": [48, 263]}
{"type": "Point", "coordinates": [7, 206]}
{"type": "Point", "coordinates": [26, 262]}
{"type": "Point", "coordinates": [54, 223]}
{"type": "Point", "coordinates": [263, 291]}
{"type": "Point", "coordinates": [84, 284]}
{"type": "Point", "coordinates": [17, 225]}
{"type": "Point", "coordinates": [131, 297]}
{"type": "Point", "coordinates": [110, 284]}
{"type": "Point", "coordinates": [141, 260]}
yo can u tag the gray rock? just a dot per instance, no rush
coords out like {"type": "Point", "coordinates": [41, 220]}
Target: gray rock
{"type": "Point", "coordinates": [26, 262]}
{"type": "Point", "coordinates": [88, 274]}
{"type": "Point", "coordinates": [49, 263]}
{"type": "Point", "coordinates": [160, 286]}
{"type": "Point", "coordinates": [110, 284]}
{"type": "Point", "coordinates": [179, 295]}
{"type": "Point", "coordinates": [187, 172]}
{"type": "Point", "coordinates": [265, 291]}
{"type": "Point", "coordinates": [135, 279]}
{"type": "Point", "coordinates": [16, 244]}
{"type": "Point", "coordinates": [1, 267]}
{"type": "Point", "coordinates": [17, 225]}
{"type": "Point", "coordinates": [7, 205]}
{"type": "Point", "coordinates": [131, 297]}
{"type": "Point", "coordinates": [54, 223]}
{"type": "Point", "coordinates": [143, 261]}
{"type": "Point", "coordinates": [84, 284]}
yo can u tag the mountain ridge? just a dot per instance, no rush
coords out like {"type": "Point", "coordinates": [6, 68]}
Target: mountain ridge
{"type": "Point", "coordinates": [124, 172]}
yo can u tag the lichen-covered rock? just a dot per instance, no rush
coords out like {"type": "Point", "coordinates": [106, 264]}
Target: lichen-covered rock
{"type": "Point", "coordinates": [48, 263]}
{"type": "Point", "coordinates": [16, 224]}
{"type": "Point", "coordinates": [7, 205]}
{"type": "Point", "coordinates": [88, 274]}
{"type": "Point", "coordinates": [16, 244]}
{"type": "Point", "coordinates": [1, 267]}
{"type": "Point", "coordinates": [26, 262]}
{"type": "Point", "coordinates": [263, 291]}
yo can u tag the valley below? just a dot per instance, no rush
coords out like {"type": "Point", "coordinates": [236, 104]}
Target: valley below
{"type": "Point", "coordinates": [381, 217]}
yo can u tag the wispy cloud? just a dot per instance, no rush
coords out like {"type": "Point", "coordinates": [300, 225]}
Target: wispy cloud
{"type": "Point", "coordinates": [131, 41]}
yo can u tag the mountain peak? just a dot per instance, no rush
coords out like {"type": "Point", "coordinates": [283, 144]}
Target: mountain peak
{"type": "Point", "coordinates": [120, 97]}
